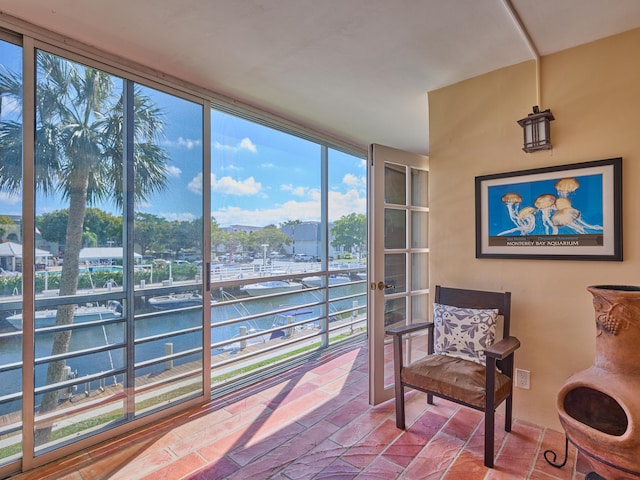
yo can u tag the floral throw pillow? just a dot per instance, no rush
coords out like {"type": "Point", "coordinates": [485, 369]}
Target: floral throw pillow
{"type": "Point", "coordinates": [463, 332]}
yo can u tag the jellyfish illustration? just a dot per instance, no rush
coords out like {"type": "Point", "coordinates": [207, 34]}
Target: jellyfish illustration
{"type": "Point", "coordinates": [525, 222]}
{"type": "Point", "coordinates": [566, 186]}
{"type": "Point", "coordinates": [512, 201]}
{"type": "Point", "coordinates": [562, 202]}
{"type": "Point", "coordinates": [546, 204]}
{"type": "Point", "coordinates": [571, 218]}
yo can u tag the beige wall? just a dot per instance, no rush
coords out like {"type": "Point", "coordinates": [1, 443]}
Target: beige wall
{"type": "Point", "coordinates": [594, 93]}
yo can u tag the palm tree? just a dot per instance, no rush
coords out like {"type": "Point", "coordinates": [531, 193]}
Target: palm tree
{"type": "Point", "coordinates": [79, 156]}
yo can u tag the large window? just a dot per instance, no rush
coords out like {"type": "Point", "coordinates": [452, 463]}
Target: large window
{"type": "Point", "coordinates": [149, 261]}
{"type": "Point", "coordinates": [288, 271]}
{"type": "Point", "coordinates": [10, 249]}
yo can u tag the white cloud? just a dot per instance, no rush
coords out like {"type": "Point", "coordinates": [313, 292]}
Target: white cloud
{"type": "Point", "coordinates": [173, 171]}
{"type": "Point", "coordinates": [248, 144]}
{"type": "Point", "coordinates": [195, 185]}
{"type": "Point", "coordinates": [181, 217]}
{"type": "Point", "coordinates": [186, 143]}
{"type": "Point", "coordinates": [244, 144]}
{"type": "Point", "coordinates": [10, 198]}
{"type": "Point", "coordinates": [227, 185]}
{"type": "Point", "coordinates": [221, 146]}
{"type": "Point", "coordinates": [340, 204]}
{"type": "Point", "coordinates": [231, 186]}
{"type": "Point", "coordinates": [297, 191]}
{"type": "Point", "coordinates": [350, 179]}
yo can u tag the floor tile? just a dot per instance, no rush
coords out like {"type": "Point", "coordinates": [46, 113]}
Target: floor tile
{"type": "Point", "coordinates": [314, 422]}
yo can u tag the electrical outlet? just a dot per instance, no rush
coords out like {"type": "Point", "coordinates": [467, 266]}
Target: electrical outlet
{"type": "Point", "coordinates": [523, 379]}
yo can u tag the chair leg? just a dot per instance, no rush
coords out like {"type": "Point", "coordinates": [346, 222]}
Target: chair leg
{"type": "Point", "coordinates": [508, 413]}
{"type": "Point", "coordinates": [400, 421]}
{"type": "Point", "coordinates": [489, 434]}
{"type": "Point", "coordinates": [429, 399]}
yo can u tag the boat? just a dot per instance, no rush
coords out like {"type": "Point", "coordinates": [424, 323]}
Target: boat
{"type": "Point", "coordinates": [285, 319]}
{"type": "Point", "coordinates": [273, 286]}
{"type": "Point", "coordinates": [242, 342]}
{"type": "Point", "coordinates": [317, 280]}
{"type": "Point", "coordinates": [175, 300]}
{"type": "Point", "coordinates": [81, 314]}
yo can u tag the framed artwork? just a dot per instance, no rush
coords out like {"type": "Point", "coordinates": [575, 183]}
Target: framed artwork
{"type": "Point", "coordinates": [564, 212]}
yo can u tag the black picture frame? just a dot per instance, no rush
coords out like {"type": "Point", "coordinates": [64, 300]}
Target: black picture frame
{"type": "Point", "coordinates": [563, 212]}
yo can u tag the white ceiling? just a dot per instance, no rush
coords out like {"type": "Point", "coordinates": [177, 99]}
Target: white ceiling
{"type": "Point", "coordinates": [356, 69]}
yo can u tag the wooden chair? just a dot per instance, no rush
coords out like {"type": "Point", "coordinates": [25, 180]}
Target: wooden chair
{"type": "Point", "coordinates": [461, 380]}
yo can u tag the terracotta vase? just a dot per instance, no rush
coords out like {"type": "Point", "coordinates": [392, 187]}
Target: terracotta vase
{"type": "Point", "coordinates": [599, 408]}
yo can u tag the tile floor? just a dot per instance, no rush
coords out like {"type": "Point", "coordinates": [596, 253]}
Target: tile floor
{"type": "Point", "coordinates": [314, 422]}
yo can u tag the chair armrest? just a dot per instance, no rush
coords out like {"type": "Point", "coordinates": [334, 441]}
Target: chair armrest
{"type": "Point", "coordinates": [408, 328]}
{"type": "Point", "coordinates": [503, 348]}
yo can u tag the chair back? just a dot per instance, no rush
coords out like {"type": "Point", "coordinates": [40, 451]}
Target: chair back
{"type": "Point", "coordinates": [459, 297]}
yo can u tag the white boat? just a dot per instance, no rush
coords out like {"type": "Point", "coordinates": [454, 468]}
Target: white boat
{"type": "Point", "coordinates": [175, 300]}
{"type": "Point", "coordinates": [243, 342]}
{"type": "Point", "coordinates": [82, 314]}
{"type": "Point", "coordinates": [285, 319]}
{"type": "Point", "coordinates": [316, 280]}
{"type": "Point", "coordinates": [273, 286]}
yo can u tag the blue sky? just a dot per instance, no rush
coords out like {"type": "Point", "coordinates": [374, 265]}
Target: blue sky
{"type": "Point", "coordinates": [259, 175]}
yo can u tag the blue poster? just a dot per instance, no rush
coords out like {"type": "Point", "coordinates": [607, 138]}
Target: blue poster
{"type": "Point", "coordinates": [558, 206]}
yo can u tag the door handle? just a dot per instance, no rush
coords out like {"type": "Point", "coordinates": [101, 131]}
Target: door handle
{"type": "Point", "coordinates": [380, 286]}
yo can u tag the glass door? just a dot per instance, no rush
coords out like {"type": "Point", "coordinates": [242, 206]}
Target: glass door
{"type": "Point", "coordinates": [399, 285]}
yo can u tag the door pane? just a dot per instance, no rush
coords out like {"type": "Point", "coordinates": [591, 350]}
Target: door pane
{"type": "Point", "coordinates": [267, 231]}
{"type": "Point", "coordinates": [395, 184]}
{"type": "Point", "coordinates": [80, 310]}
{"type": "Point", "coordinates": [347, 246]}
{"type": "Point", "coordinates": [395, 269]}
{"type": "Point", "coordinates": [395, 228]}
{"type": "Point", "coordinates": [420, 308]}
{"type": "Point", "coordinates": [168, 277]}
{"type": "Point", "coordinates": [10, 251]}
{"type": "Point", "coordinates": [88, 371]}
{"type": "Point", "coordinates": [395, 311]}
{"type": "Point", "coordinates": [419, 188]}
{"type": "Point", "coordinates": [419, 271]}
{"type": "Point", "coordinates": [419, 229]}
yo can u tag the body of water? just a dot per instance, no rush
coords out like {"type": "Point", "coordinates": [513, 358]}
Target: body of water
{"type": "Point", "coordinates": [157, 322]}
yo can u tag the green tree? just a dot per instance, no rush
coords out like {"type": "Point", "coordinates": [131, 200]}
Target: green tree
{"type": "Point", "coordinates": [79, 151]}
{"type": "Point", "coordinates": [175, 236]}
{"type": "Point", "coordinates": [269, 235]}
{"type": "Point", "coordinates": [147, 229]}
{"type": "Point", "coordinates": [105, 226]}
{"type": "Point", "coordinates": [53, 225]}
{"type": "Point", "coordinates": [350, 232]}
{"type": "Point", "coordinates": [89, 239]}
{"type": "Point", "coordinates": [218, 236]}
{"type": "Point", "coordinates": [291, 222]}
{"type": "Point", "coordinates": [6, 226]}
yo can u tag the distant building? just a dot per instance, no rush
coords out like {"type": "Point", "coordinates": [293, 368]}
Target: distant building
{"type": "Point", "coordinates": [104, 256]}
{"type": "Point", "coordinates": [305, 239]}
{"type": "Point", "coordinates": [11, 257]}
{"type": "Point", "coordinates": [241, 228]}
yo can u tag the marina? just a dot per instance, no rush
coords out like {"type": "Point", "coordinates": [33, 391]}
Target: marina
{"type": "Point", "coordinates": [271, 287]}
{"type": "Point", "coordinates": [81, 314]}
{"type": "Point", "coordinates": [175, 300]}
{"type": "Point", "coordinates": [169, 326]}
